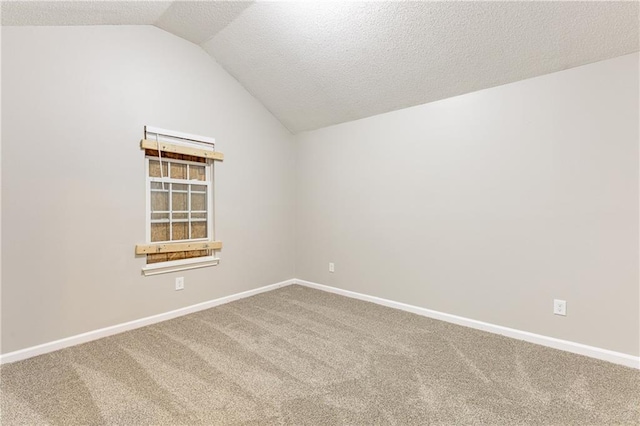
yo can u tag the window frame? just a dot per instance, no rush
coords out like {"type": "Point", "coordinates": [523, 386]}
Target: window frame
{"type": "Point", "coordinates": [208, 182]}
{"type": "Point", "coordinates": [210, 157]}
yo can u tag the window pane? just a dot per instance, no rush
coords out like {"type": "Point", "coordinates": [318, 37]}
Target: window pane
{"type": "Point", "coordinates": [196, 172]}
{"type": "Point", "coordinates": [179, 201]}
{"type": "Point", "coordinates": [159, 216]}
{"type": "Point", "coordinates": [180, 216]}
{"type": "Point", "coordinates": [159, 232]}
{"type": "Point", "coordinates": [154, 168]}
{"type": "Point", "coordinates": [159, 201]}
{"type": "Point", "coordinates": [180, 187]}
{"type": "Point", "coordinates": [178, 171]}
{"type": "Point", "coordinates": [198, 215]}
{"type": "Point", "coordinates": [198, 201]}
{"type": "Point", "coordinates": [180, 231]}
{"type": "Point", "coordinates": [158, 186]}
{"type": "Point", "coordinates": [198, 188]}
{"type": "Point", "coordinates": [198, 229]}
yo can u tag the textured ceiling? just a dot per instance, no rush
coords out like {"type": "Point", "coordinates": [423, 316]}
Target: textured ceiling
{"type": "Point", "coordinates": [199, 21]}
{"type": "Point", "coordinates": [196, 21]}
{"type": "Point", "coordinates": [315, 64]}
{"type": "Point", "coordinates": [82, 12]}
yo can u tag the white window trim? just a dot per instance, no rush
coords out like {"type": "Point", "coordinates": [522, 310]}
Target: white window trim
{"type": "Point", "coordinates": [191, 263]}
{"type": "Point", "coordinates": [179, 265]}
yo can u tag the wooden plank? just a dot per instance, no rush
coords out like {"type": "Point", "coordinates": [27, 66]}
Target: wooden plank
{"type": "Point", "coordinates": [179, 149]}
{"type": "Point", "coordinates": [174, 156]}
{"type": "Point", "coordinates": [175, 247]}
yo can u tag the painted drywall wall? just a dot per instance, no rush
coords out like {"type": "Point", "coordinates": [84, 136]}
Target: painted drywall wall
{"type": "Point", "coordinates": [74, 103]}
{"type": "Point", "coordinates": [488, 205]}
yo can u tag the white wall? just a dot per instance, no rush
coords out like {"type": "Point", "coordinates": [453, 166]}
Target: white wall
{"type": "Point", "coordinates": [488, 205]}
{"type": "Point", "coordinates": [74, 103]}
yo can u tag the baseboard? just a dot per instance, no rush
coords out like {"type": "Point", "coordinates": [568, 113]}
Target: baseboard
{"type": "Point", "coordinates": [119, 328]}
{"type": "Point", "coordinates": [565, 345]}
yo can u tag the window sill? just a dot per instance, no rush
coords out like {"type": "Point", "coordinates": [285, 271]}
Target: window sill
{"type": "Point", "coordinates": [179, 265]}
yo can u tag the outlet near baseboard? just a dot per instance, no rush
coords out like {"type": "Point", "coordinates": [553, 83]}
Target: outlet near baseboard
{"type": "Point", "coordinates": [179, 283]}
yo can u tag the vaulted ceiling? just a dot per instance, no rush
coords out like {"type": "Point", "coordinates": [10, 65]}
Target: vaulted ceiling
{"type": "Point", "coordinates": [314, 64]}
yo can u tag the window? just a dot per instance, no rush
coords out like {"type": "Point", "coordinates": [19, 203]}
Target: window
{"type": "Point", "coordinates": [179, 201]}
{"type": "Point", "coordinates": [178, 209]}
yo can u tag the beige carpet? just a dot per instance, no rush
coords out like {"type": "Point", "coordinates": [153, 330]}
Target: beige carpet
{"type": "Point", "coordinates": [300, 356]}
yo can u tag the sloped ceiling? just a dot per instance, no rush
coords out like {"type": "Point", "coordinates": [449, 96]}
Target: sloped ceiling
{"type": "Point", "coordinates": [315, 64]}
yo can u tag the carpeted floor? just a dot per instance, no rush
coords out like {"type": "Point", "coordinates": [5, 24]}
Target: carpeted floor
{"type": "Point", "coordinates": [301, 356]}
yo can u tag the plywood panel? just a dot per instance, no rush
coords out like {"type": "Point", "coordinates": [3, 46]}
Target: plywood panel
{"type": "Point", "coordinates": [197, 253]}
{"type": "Point", "coordinates": [197, 173]}
{"type": "Point", "coordinates": [156, 257]}
{"type": "Point", "coordinates": [178, 171]}
{"type": "Point", "coordinates": [180, 231]}
{"type": "Point", "coordinates": [179, 201]}
{"type": "Point", "coordinates": [159, 232]}
{"type": "Point", "coordinates": [164, 257]}
{"type": "Point", "coordinates": [154, 169]}
{"type": "Point", "coordinates": [198, 201]}
{"type": "Point", "coordinates": [198, 229]}
{"type": "Point", "coordinates": [159, 201]}
{"type": "Point", "coordinates": [178, 255]}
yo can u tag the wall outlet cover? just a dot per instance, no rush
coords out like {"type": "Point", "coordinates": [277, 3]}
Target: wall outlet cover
{"type": "Point", "coordinates": [179, 283]}
{"type": "Point", "coordinates": [560, 307]}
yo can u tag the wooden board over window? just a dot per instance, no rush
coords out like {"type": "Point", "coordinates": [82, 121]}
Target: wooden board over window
{"type": "Point", "coordinates": [179, 199]}
{"type": "Point", "coordinates": [166, 147]}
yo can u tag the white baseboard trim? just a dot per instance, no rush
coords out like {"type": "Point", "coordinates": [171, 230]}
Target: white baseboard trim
{"type": "Point", "coordinates": [565, 345]}
{"type": "Point", "coordinates": [552, 342]}
{"type": "Point", "coordinates": [119, 328]}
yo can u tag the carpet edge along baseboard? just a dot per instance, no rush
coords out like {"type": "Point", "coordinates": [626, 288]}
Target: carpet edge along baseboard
{"type": "Point", "coordinates": [552, 342]}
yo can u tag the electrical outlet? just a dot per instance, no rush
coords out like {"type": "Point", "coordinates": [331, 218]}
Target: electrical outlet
{"type": "Point", "coordinates": [560, 307]}
{"type": "Point", "coordinates": [332, 267]}
{"type": "Point", "coordinates": [179, 283]}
